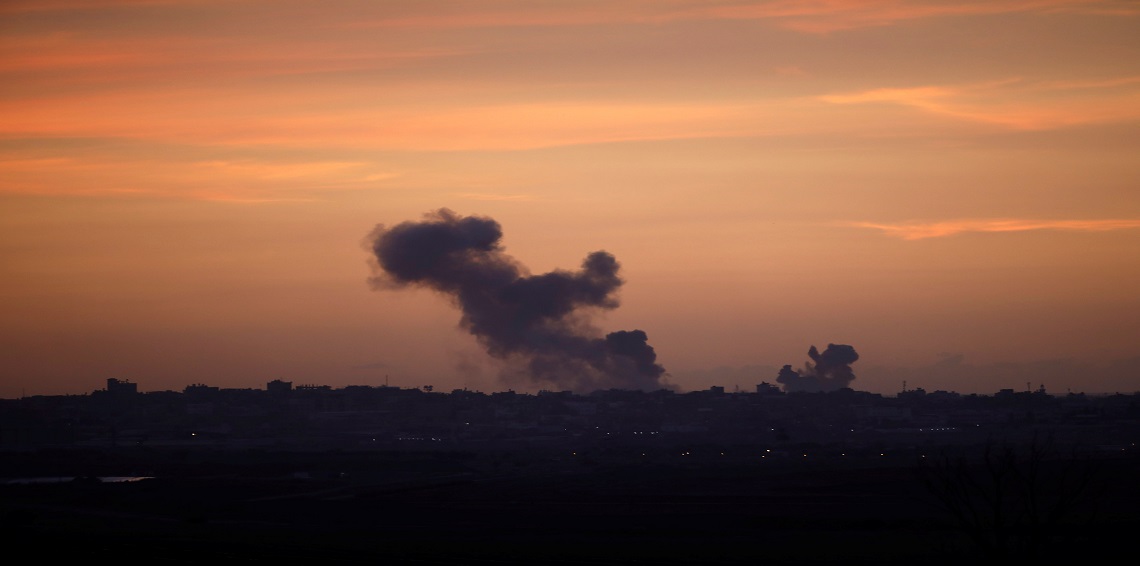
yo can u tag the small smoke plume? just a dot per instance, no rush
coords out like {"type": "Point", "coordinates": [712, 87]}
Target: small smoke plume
{"type": "Point", "coordinates": [540, 320]}
{"type": "Point", "coordinates": [829, 371]}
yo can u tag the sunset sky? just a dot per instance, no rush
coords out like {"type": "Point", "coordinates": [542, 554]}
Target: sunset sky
{"type": "Point", "coordinates": [950, 187]}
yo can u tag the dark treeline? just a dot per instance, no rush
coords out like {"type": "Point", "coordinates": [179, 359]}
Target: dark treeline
{"type": "Point", "coordinates": [368, 474]}
{"type": "Point", "coordinates": [364, 417]}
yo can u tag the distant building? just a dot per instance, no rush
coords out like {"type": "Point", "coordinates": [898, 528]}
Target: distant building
{"type": "Point", "coordinates": [200, 389]}
{"type": "Point", "coordinates": [278, 386]}
{"type": "Point", "coordinates": [121, 387]}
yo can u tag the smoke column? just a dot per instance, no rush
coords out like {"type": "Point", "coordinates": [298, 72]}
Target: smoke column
{"type": "Point", "coordinates": [538, 319]}
{"type": "Point", "coordinates": [828, 371]}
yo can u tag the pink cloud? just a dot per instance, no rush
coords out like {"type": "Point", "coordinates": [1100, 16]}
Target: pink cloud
{"type": "Point", "coordinates": [924, 230]}
{"type": "Point", "coordinates": [1015, 103]}
{"type": "Point", "coordinates": [809, 16]}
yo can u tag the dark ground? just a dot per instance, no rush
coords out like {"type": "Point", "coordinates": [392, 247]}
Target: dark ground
{"type": "Point", "coordinates": [510, 507]}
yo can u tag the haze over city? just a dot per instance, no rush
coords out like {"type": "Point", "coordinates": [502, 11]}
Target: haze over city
{"type": "Point", "coordinates": [680, 194]}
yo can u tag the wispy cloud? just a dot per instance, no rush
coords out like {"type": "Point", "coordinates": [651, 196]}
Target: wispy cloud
{"type": "Point", "coordinates": [1014, 102]}
{"type": "Point", "coordinates": [309, 115]}
{"type": "Point", "coordinates": [92, 59]}
{"type": "Point", "coordinates": [230, 180]}
{"type": "Point", "coordinates": [495, 197]}
{"type": "Point", "coordinates": [1090, 84]}
{"type": "Point", "coordinates": [229, 198]}
{"type": "Point", "coordinates": [19, 6]}
{"type": "Point", "coordinates": [826, 16]}
{"type": "Point", "coordinates": [250, 169]}
{"type": "Point", "coordinates": [924, 230]}
{"type": "Point", "coordinates": [808, 16]}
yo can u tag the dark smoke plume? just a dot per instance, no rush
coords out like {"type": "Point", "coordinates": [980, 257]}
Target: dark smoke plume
{"type": "Point", "coordinates": [829, 371]}
{"type": "Point", "coordinates": [538, 319]}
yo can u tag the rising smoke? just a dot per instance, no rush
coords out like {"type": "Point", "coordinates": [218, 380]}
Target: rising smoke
{"type": "Point", "coordinates": [540, 320]}
{"type": "Point", "coordinates": [829, 371]}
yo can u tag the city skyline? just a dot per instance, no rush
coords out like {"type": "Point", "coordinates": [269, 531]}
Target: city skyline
{"type": "Point", "coordinates": [190, 189]}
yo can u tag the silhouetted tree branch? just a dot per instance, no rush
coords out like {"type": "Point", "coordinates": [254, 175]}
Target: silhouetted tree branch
{"type": "Point", "coordinates": [1013, 500]}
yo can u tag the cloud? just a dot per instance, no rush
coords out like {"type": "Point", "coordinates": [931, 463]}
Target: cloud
{"type": "Point", "coordinates": [806, 16]}
{"type": "Point", "coordinates": [23, 6]}
{"type": "Point", "coordinates": [170, 174]}
{"type": "Point", "coordinates": [51, 56]}
{"type": "Point", "coordinates": [1014, 102]}
{"type": "Point", "coordinates": [232, 199]}
{"type": "Point", "coordinates": [495, 197]}
{"type": "Point", "coordinates": [828, 371]}
{"type": "Point", "coordinates": [1083, 84]}
{"type": "Point", "coordinates": [924, 230]}
{"type": "Point", "coordinates": [288, 119]}
{"type": "Point", "coordinates": [540, 321]}
{"type": "Point", "coordinates": [827, 16]}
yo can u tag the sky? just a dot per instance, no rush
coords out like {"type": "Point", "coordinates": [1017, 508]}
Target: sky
{"type": "Point", "coordinates": [191, 190]}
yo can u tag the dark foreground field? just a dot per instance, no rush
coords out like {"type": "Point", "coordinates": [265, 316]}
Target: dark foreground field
{"type": "Point", "coordinates": [517, 507]}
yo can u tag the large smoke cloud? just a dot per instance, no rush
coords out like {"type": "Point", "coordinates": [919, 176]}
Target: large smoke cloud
{"type": "Point", "coordinates": [541, 320]}
{"type": "Point", "coordinates": [829, 371]}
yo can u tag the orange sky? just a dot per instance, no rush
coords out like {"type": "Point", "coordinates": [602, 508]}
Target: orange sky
{"type": "Point", "coordinates": [951, 187]}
